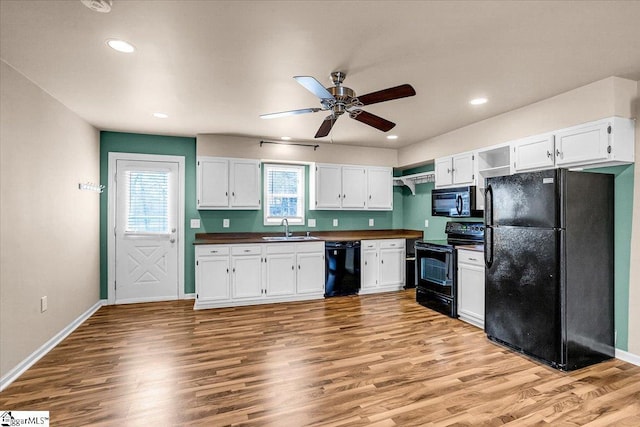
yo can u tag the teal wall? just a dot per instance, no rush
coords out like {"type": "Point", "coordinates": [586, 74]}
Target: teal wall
{"type": "Point", "coordinates": [150, 144]}
{"type": "Point", "coordinates": [622, 248]}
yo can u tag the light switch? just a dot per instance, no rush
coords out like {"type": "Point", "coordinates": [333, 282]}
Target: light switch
{"type": "Point", "coordinates": [225, 223]}
{"type": "Point", "coordinates": [311, 222]}
{"type": "Point", "coordinates": [426, 223]}
{"type": "Point", "coordinates": [335, 222]}
{"type": "Point", "coordinates": [370, 222]}
{"type": "Point", "coordinates": [195, 222]}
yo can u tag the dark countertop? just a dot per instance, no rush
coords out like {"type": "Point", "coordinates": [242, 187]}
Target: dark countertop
{"type": "Point", "coordinates": [330, 236]}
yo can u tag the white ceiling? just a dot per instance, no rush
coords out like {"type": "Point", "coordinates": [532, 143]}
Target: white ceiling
{"type": "Point", "coordinates": [215, 66]}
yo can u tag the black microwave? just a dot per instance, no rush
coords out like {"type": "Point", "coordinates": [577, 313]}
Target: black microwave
{"type": "Point", "coordinates": [459, 202]}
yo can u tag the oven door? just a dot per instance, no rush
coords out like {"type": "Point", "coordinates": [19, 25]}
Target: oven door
{"type": "Point", "coordinates": [436, 270]}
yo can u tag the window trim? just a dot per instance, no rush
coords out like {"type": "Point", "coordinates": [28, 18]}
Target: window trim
{"type": "Point", "coordinates": [269, 221]}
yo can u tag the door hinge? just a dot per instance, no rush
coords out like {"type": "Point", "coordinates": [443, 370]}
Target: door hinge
{"type": "Point", "coordinates": [198, 163]}
{"type": "Point", "coordinates": [197, 262]}
{"type": "Point", "coordinates": [609, 130]}
{"type": "Point", "coordinates": [609, 149]}
{"type": "Point", "coordinates": [197, 296]}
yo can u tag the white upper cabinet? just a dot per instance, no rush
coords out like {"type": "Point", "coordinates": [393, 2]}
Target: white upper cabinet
{"type": "Point", "coordinates": [224, 183]}
{"type": "Point", "coordinates": [534, 153]}
{"type": "Point", "coordinates": [455, 170]}
{"type": "Point", "coordinates": [354, 187]}
{"type": "Point", "coordinates": [338, 187]}
{"type": "Point", "coordinates": [327, 184]}
{"type": "Point", "coordinates": [603, 141]}
{"type": "Point", "coordinates": [380, 186]}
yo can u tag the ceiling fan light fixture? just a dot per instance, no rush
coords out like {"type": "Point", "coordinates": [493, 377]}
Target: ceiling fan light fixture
{"type": "Point", "coordinates": [121, 46]}
{"type": "Point", "coordinates": [478, 101]}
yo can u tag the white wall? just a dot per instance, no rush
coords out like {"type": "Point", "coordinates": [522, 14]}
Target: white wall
{"type": "Point", "coordinates": [49, 242]}
{"type": "Point", "coordinates": [237, 146]}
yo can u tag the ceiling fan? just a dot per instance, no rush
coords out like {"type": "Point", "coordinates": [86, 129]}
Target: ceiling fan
{"type": "Point", "coordinates": [339, 99]}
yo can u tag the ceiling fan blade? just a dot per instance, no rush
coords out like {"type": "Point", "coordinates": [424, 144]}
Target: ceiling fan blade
{"type": "Point", "coordinates": [314, 86]}
{"type": "Point", "coordinates": [372, 120]}
{"type": "Point", "coordinates": [290, 113]}
{"type": "Point", "coordinates": [401, 91]}
{"type": "Point", "coordinates": [326, 126]}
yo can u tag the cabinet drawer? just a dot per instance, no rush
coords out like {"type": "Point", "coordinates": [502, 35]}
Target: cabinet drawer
{"type": "Point", "coordinates": [279, 248]}
{"type": "Point", "coordinates": [391, 243]}
{"type": "Point", "coordinates": [212, 250]}
{"type": "Point", "coordinates": [369, 244]}
{"type": "Point", "coordinates": [246, 250]}
{"type": "Point", "coordinates": [470, 257]}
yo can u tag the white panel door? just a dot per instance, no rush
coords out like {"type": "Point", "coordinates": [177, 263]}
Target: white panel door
{"type": "Point", "coordinates": [146, 232]}
{"type": "Point", "coordinates": [534, 153]}
{"type": "Point", "coordinates": [369, 268]}
{"type": "Point", "coordinates": [245, 184]}
{"type": "Point", "coordinates": [443, 171]}
{"type": "Point", "coordinates": [247, 276]}
{"type": "Point", "coordinates": [281, 274]}
{"type": "Point", "coordinates": [212, 278]}
{"type": "Point", "coordinates": [584, 145]}
{"type": "Point", "coordinates": [391, 266]}
{"type": "Point", "coordinates": [380, 185]}
{"type": "Point", "coordinates": [213, 183]}
{"type": "Point", "coordinates": [310, 275]}
{"type": "Point", "coordinates": [328, 185]}
{"type": "Point", "coordinates": [463, 170]}
{"type": "Point", "coordinates": [354, 187]}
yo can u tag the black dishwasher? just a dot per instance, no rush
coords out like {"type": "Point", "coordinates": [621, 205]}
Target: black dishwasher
{"type": "Point", "coordinates": [342, 272]}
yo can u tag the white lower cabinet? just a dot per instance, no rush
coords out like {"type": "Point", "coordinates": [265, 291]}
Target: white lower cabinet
{"type": "Point", "coordinates": [229, 275]}
{"type": "Point", "coordinates": [310, 271]}
{"type": "Point", "coordinates": [471, 287]}
{"type": "Point", "coordinates": [382, 265]}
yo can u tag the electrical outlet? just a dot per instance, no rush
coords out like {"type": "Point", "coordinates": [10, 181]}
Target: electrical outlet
{"type": "Point", "coordinates": [311, 222]}
{"type": "Point", "coordinates": [195, 223]}
{"type": "Point", "coordinates": [335, 222]}
{"type": "Point", "coordinates": [426, 223]}
{"type": "Point", "coordinates": [370, 222]}
{"type": "Point", "coordinates": [225, 223]}
{"type": "Point", "coordinates": [43, 304]}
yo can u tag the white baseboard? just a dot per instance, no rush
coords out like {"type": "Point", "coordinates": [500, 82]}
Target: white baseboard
{"type": "Point", "coordinates": [189, 296]}
{"type": "Point", "coordinates": [13, 374]}
{"type": "Point", "coordinates": [628, 357]}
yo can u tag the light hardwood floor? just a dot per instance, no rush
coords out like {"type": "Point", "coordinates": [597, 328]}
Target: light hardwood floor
{"type": "Point", "coordinates": [375, 360]}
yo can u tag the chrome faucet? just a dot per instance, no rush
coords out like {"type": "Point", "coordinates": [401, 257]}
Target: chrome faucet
{"type": "Point", "coordinates": [285, 222]}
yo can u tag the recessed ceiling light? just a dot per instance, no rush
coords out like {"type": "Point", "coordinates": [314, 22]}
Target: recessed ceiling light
{"type": "Point", "coordinates": [478, 101]}
{"type": "Point", "coordinates": [160, 115]}
{"type": "Point", "coordinates": [285, 138]}
{"type": "Point", "coordinates": [392, 136]}
{"type": "Point", "coordinates": [102, 6]}
{"type": "Point", "coordinates": [120, 46]}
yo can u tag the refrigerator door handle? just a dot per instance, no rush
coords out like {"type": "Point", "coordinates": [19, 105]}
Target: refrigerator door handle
{"type": "Point", "coordinates": [488, 197]}
{"type": "Point", "coordinates": [488, 247]}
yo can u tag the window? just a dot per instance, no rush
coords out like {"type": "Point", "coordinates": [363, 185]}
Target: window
{"type": "Point", "coordinates": [148, 201]}
{"type": "Point", "coordinates": [283, 194]}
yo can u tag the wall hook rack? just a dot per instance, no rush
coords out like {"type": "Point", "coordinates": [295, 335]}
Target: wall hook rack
{"type": "Point", "coordinates": [314, 146]}
{"type": "Point", "coordinates": [90, 186]}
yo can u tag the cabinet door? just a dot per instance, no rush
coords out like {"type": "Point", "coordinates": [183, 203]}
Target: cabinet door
{"type": "Point", "coordinates": [471, 294]}
{"type": "Point", "coordinates": [463, 169]}
{"type": "Point", "coordinates": [583, 145]}
{"type": "Point", "coordinates": [245, 184]}
{"type": "Point", "coordinates": [354, 187]}
{"type": "Point", "coordinates": [380, 186]}
{"type": "Point", "coordinates": [212, 278]}
{"type": "Point", "coordinates": [280, 274]}
{"type": "Point", "coordinates": [328, 185]}
{"type": "Point", "coordinates": [213, 183]}
{"type": "Point", "coordinates": [391, 266]}
{"type": "Point", "coordinates": [534, 153]}
{"type": "Point", "coordinates": [369, 267]}
{"type": "Point", "coordinates": [247, 276]}
{"type": "Point", "coordinates": [310, 273]}
{"type": "Point", "coordinates": [444, 174]}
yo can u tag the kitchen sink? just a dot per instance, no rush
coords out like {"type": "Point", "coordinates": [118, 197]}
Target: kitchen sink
{"type": "Point", "coordinates": [288, 239]}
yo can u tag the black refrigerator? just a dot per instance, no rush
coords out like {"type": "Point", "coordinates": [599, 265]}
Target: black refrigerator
{"type": "Point", "coordinates": [549, 265]}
